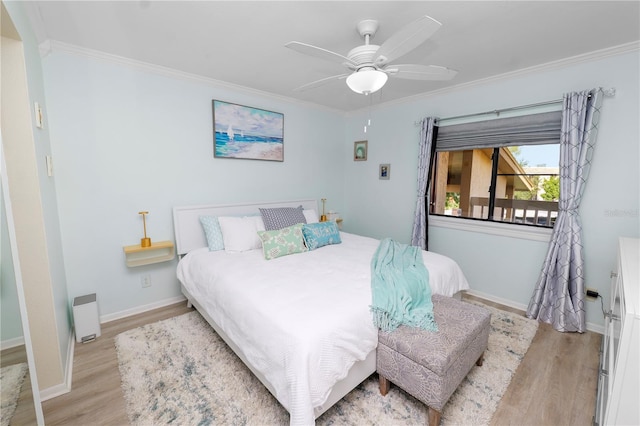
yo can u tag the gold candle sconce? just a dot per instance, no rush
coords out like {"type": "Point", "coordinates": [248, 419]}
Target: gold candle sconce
{"type": "Point", "coordinates": [323, 217]}
{"type": "Point", "coordinates": [145, 242]}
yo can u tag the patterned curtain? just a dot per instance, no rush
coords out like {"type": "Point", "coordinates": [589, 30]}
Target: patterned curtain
{"type": "Point", "coordinates": [559, 295]}
{"type": "Point", "coordinates": [419, 235]}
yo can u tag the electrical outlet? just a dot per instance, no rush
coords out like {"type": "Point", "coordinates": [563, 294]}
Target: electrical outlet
{"type": "Point", "coordinates": [145, 281]}
{"type": "Point", "coordinates": [592, 294]}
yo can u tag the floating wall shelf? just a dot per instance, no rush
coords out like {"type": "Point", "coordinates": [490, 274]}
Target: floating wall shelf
{"type": "Point", "coordinates": [158, 252]}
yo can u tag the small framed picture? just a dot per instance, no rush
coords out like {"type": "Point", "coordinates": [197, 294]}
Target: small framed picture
{"type": "Point", "coordinates": [385, 171]}
{"type": "Point", "coordinates": [360, 151]}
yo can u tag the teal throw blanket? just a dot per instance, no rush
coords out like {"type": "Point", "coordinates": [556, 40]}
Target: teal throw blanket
{"type": "Point", "coordinates": [400, 288]}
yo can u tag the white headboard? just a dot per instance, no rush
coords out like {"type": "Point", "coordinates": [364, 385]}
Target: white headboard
{"type": "Point", "coordinates": [189, 232]}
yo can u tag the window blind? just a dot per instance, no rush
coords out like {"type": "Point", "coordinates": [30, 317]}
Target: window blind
{"type": "Point", "coordinates": [533, 129]}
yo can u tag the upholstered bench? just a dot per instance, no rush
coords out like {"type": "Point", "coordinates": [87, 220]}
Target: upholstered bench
{"type": "Point", "coordinates": [429, 365]}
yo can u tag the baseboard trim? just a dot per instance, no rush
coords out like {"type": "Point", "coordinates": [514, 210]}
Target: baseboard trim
{"type": "Point", "coordinates": [64, 387]}
{"type": "Point", "coordinates": [141, 309]}
{"type": "Point", "coordinates": [11, 343]}
{"type": "Point", "coordinates": [596, 328]}
{"type": "Point", "coordinates": [500, 300]}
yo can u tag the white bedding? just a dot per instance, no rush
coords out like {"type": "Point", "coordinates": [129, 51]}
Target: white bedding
{"type": "Point", "coordinates": [301, 320]}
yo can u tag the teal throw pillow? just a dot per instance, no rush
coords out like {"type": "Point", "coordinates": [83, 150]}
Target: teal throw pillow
{"type": "Point", "coordinates": [321, 234]}
{"type": "Point", "coordinates": [212, 232]}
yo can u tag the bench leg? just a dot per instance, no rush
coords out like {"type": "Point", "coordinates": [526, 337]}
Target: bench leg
{"type": "Point", "coordinates": [385, 385]}
{"type": "Point", "coordinates": [480, 360]}
{"type": "Point", "coordinates": [434, 417]}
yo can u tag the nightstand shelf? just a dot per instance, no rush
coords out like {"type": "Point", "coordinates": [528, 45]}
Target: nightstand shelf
{"type": "Point", "coordinates": [158, 252]}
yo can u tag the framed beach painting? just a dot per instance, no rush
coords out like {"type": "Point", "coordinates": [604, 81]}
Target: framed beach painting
{"type": "Point", "coordinates": [247, 133]}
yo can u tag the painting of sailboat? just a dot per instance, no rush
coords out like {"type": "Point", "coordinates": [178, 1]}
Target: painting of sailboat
{"type": "Point", "coordinates": [247, 133]}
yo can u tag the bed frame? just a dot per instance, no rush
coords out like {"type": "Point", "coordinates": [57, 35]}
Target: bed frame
{"type": "Point", "coordinates": [189, 236]}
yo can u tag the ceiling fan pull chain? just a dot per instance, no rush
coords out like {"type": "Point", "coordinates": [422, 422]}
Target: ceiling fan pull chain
{"type": "Point", "coordinates": [369, 114]}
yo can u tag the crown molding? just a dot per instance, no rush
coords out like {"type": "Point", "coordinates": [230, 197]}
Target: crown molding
{"type": "Point", "coordinates": [562, 63]}
{"type": "Point", "coordinates": [49, 46]}
{"type": "Point", "coordinates": [45, 48]}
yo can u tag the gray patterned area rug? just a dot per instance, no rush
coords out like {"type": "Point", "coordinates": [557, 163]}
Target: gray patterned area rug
{"type": "Point", "coordinates": [11, 379]}
{"type": "Point", "coordinates": [178, 371]}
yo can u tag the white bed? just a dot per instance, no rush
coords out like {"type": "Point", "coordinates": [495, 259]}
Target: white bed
{"type": "Point", "coordinates": [300, 322]}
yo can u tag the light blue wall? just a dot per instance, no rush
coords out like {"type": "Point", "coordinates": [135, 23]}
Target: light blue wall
{"type": "Point", "coordinates": [36, 89]}
{"type": "Point", "coordinates": [503, 267]}
{"type": "Point", "coordinates": [126, 139]}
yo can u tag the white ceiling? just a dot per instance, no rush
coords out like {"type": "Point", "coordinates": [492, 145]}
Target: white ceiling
{"type": "Point", "coordinates": [242, 42]}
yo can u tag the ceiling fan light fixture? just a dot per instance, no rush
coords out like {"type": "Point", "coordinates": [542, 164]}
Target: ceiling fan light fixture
{"type": "Point", "coordinates": [367, 81]}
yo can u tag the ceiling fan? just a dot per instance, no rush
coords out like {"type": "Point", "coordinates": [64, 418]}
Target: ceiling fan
{"type": "Point", "coordinates": [369, 64]}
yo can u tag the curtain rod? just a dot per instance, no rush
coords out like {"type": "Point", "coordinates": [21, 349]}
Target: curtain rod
{"type": "Point", "coordinates": [607, 92]}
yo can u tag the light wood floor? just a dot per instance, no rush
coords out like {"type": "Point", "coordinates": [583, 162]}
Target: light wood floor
{"type": "Point", "coordinates": [554, 385]}
{"type": "Point", "coordinates": [96, 397]}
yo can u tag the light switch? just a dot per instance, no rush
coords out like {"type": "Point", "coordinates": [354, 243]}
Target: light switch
{"type": "Point", "coordinates": [38, 115]}
{"type": "Point", "coordinates": [49, 165]}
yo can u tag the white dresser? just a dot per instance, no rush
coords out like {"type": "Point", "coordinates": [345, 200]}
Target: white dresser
{"type": "Point", "coordinates": [618, 399]}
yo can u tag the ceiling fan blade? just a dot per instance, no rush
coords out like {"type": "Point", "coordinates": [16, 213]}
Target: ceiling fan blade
{"type": "Point", "coordinates": [319, 52]}
{"type": "Point", "coordinates": [320, 82]}
{"type": "Point", "coordinates": [421, 72]}
{"type": "Point", "coordinates": [407, 39]}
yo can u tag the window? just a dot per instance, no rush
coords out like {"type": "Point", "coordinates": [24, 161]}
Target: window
{"type": "Point", "coordinates": [479, 174]}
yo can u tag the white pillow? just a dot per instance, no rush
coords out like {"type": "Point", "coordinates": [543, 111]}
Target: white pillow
{"type": "Point", "coordinates": [241, 233]}
{"type": "Point", "coordinates": [310, 215]}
